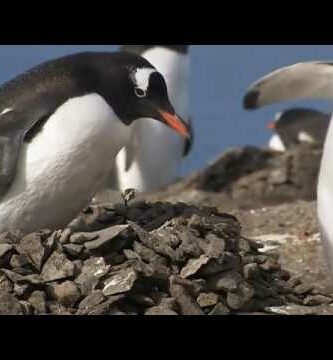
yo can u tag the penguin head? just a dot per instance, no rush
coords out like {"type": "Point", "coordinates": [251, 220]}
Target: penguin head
{"type": "Point", "coordinates": [141, 92]}
{"type": "Point", "coordinates": [300, 125]}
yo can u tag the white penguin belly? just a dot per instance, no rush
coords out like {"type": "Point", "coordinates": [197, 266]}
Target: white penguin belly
{"type": "Point", "coordinates": [61, 169]}
{"type": "Point", "coordinates": [325, 198]}
{"type": "Point", "coordinates": [159, 149]}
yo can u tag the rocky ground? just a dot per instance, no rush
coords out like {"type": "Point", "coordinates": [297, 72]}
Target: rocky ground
{"type": "Point", "coordinates": [239, 237]}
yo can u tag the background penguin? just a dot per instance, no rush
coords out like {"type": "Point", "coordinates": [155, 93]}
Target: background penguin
{"type": "Point", "coordinates": [59, 121]}
{"type": "Point", "coordinates": [309, 80]}
{"type": "Point", "coordinates": [152, 157]}
{"type": "Point", "coordinates": [300, 125]}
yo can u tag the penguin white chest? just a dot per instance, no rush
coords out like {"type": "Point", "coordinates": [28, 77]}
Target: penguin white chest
{"type": "Point", "coordinates": [62, 167]}
{"type": "Point", "coordinates": [325, 198]}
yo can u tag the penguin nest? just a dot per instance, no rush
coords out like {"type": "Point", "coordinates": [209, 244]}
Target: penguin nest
{"type": "Point", "coordinates": [152, 259]}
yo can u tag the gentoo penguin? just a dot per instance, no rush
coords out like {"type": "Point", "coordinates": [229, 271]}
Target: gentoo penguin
{"type": "Point", "coordinates": [309, 80]}
{"type": "Point", "coordinates": [59, 122]}
{"type": "Point", "coordinates": [296, 126]}
{"type": "Point", "coordinates": [151, 159]}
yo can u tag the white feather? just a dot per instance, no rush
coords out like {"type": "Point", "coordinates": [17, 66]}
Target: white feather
{"type": "Point", "coordinates": [276, 144]}
{"type": "Point", "coordinates": [63, 166]}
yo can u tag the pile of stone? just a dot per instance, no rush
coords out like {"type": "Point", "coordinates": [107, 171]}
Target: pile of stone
{"type": "Point", "coordinates": [147, 259]}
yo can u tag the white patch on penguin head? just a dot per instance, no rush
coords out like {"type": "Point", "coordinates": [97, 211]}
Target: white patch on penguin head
{"type": "Point", "coordinates": [141, 76]}
{"type": "Point", "coordinates": [278, 116]}
{"type": "Point", "coordinates": [5, 111]}
{"type": "Point", "coordinates": [305, 137]}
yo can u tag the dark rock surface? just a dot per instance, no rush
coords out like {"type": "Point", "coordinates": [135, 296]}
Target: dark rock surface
{"type": "Point", "coordinates": [171, 260]}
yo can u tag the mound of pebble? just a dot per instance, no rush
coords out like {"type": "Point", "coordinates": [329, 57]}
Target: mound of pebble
{"type": "Point", "coordinates": [147, 259]}
{"type": "Point", "coordinates": [251, 177]}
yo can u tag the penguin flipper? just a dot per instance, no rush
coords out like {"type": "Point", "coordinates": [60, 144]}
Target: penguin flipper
{"type": "Point", "coordinates": [13, 127]}
{"type": "Point", "coordinates": [302, 81]}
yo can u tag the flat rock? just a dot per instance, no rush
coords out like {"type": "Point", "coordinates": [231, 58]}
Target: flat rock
{"type": "Point", "coordinates": [220, 310]}
{"type": "Point", "coordinates": [193, 266]}
{"type": "Point", "coordinates": [5, 284]}
{"type": "Point", "coordinates": [93, 269]}
{"type": "Point", "coordinates": [236, 300]}
{"type": "Point", "coordinates": [66, 293]}
{"type": "Point", "coordinates": [120, 282]}
{"type": "Point", "coordinates": [5, 253]}
{"type": "Point", "coordinates": [186, 302]}
{"type": "Point", "coordinates": [207, 299]}
{"type": "Point", "coordinates": [38, 301]}
{"type": "Point", "coordinates": [73, 249]}
{"type": "Point", "coordinates": [107, 307]}
{"type": "Point", "coordinates": [82, 237]}
{"type": "Point", "coordinates": [19, 261]}
{"type": "Point", "coordinates": [160, 311]}
{"type": "Point", "coordinates": [106, 237]}
{"type": "Point", "coordinates": [32, 246]}
{"type": "Point", "coordinates": [225, 281]}
{"type": "Point", "coordinates": [57, 267]}
{"type": "Point", "coordinates": [92, 300]}
{"type": "Point", "coordinates": [9, 304]}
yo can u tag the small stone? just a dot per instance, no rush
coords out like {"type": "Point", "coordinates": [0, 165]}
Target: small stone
{"type": "Point", "coordinates": [93, 269]}
{"type": "Point", "coordinates": [107, 236]}
{"type": "Point", "coordinates": [160, 311]}
{"type": "Point", "coordinates": [193, 266]}
{"type": "Point", "coordinates": [22, 289]}
{"type": "Point", "coordinates": [225, 281]}
{"type": "Point", "coordinates": [317, 300]}
{"type": "Point", "coordinates": [73, 250]}
{"type": "Point", "coordinates": [81, 238]}
{"type": "Point", "coordinates": [94, 299]}
{"type": "Point", "coordinates": [106, 308]}
{"type": "Point", "coordinates": [216, 246]}
{"type": "Point", "coordinates": [207, 299]}
{"type": "Point", "coordinates": [236, 300]}
{"type": "Point", "coordinates": [9, 305]}
{"type": "Point", "coordinates": [227, 262]}
{"type": "Point", "coordinates": [131, 255]}
{"type": "Point", "coordinates": [10, 237]}
{"type": "Point", "coordinates": [38, 301]}
{"type": "Point", "coordinates": [78, 265]}
{"type": "Point", "coordinates": [66, 293]}
{"type": "Point", "coordinates": [291, 309]}
{"type": "Point", "coordinates": [18, 261]}
{"type": "Point", "coordinates": [6, 251]}
{"type": "Point", "coordinates": [169, 303]}
{"type": "Point", "coordinates": [251, 271]}
{"type": "Point", "coordinates": [142, 299]}
{"type": "Point", "coordinates": [187, 304]}
{"type": "Point", "coordinates": [65, 236]}
{"type": "Point", "coordinates": [119, 283]}
{"type": "Point", "coordinates": [57, 309]}
{"type": "Point", "coordinates": [303, 289]}
{"type": "Point", "coordinates": [27, 308]}
{"type": "Point", "coordinates": [57, 267]}
{"type": "Point", "coordinates": [32, 246]}
{"type": "Point", "coordinates": [5, 284]}
{"type": "Point", "coordinates": [220, 310]}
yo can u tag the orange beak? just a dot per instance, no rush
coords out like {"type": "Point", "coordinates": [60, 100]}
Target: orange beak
{"type": "Point", "coordinates": [175, 123]}
{"type": "Point", "coordinates": [271, 125]}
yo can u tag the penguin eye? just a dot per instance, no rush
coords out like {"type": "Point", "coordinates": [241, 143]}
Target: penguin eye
{"type": "Point", "coordinates": [140, 93]}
